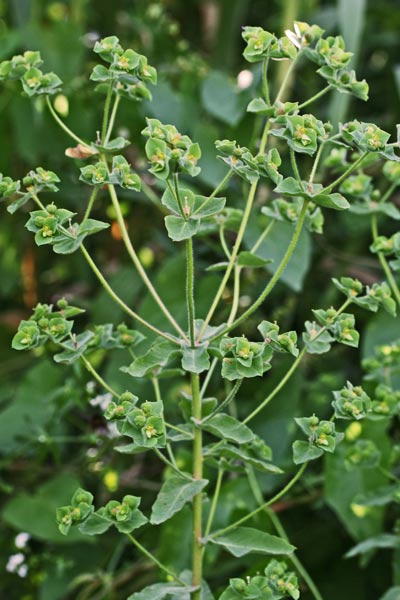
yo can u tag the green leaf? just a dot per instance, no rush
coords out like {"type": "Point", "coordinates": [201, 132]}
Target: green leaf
{"type": "Point", "coordinates": [113, 146]}
{"type": "Point", "coordinates": [303, 452]}
{"type": "Point", "coordinates": [174, 494]}
{"type": "Point", "coordinates": [158, 356]}
{"type": "Point", "coordinates": [160, 591]}
{"type": "Point", "coordinates": [74, 348]}
{"type": "Point", "coordinates": [245, 540]}
{"type": "Point", "coordinates": [178, 229]}
{"type": "Point", "coordinates": [384, 540]}
{"type": "Point", "coordinates": [227, 427]}
{"type": "Point", "coordinates": [248, 259]}
{"type": "Point", "coordinates": [195, 360]}
{"type": "Point", "coordinates": [95, 524]}
{"type": "Point", "coordinates": [222, 99]}
{"type": "Point", "coordinates": [392, 594]}
{"type": "Point", "coordinates": [335, 201]}
{"type": "Point", "coordinates": [206, 207]}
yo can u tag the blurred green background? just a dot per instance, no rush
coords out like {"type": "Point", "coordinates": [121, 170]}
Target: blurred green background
{"type": "Point", "coordinates": [52, 435]}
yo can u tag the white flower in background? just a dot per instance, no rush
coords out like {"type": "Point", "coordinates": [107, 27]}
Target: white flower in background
{"type": "Point", "coordinates": [21, 540]}
{"type": "Point", "coordinates": [245, 79]}
{"type": "Point", "coordinates": [15, 561]}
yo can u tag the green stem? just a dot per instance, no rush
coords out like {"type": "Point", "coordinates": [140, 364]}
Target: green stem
{"type": "Point", "coordinates": [155, 560]}
{"type": "Point", "coordinates": [275, 276]}
{"type": "Point", "coordinates": [350, 169]}
{"type": "Point", "coordinates": [179, 430]}
{"type": "Point", "coordinates": [239, 238]}
{"type": "Point", "coordinates": [152, 196]}
{"type": "Point", "coordinates": [98, 377]}
{"type": "Point", "coordinates": [383, 261]}
{"type": "Point", "coordinates": [169, 464]}
{"type": "Point", "coordinates": [38, 202]}
{"type": "Point", "coordinates": [262, 237]}
{"type": "Point", "coordinates": [156, 387]}
{"type": "Point", "coordinates": [223, 241]}
{"type": "Point", "coordinates": [286, 78]}
{"type": "Point", "coordinates": [215, 192]}
{"type": "Point", "coordinates": [236, 294]}
{"type": "Point", "coordinates": [208, 376]}
{"type": "Point", "coordinates": [316, 96]}
{"type": "Point", "coordinates": [278, 388]}
{"type": "Point", "coordinates": [275, 498]}
{"type": "Point", "coordinates": [64, 126]}
{"type": "Point", "coordinates": [221, 184]}
{"type": "Point", "coordinates": [90, 204]}
{"type": "Point", "coordinates": [224, 403]}
{"type": "Point", "coordinates": [197, 551]}
{"type": "Point", "coordinates": [138, 264]}
{"type": "Point", "coordinates": [214, 501]}
{"type": "Point", "coordinates": [316, 162]}
{"type": "Point", "coordinates": [112, 119]}
{"type": "Point", "coordinates": [119, 300]}
{"type": "Point", "coordinates": [388, 474]}
{"type": "Point", "coordinates": [190, 290]}
{"type": "Point", "coordinates": [256, 490]}
{"type": "Point", "coordinates": [388, 192]}
{"type": "Point", "coordinates": [106, 112]}
{"type": "Point", "coordinates": [178, 196]}
{"type": "Point", "coordinates": [289, 373]}
{"type": "Point", "coordinates": [295, 167]}
{"type": "Point", "coordinates": [265, 86]}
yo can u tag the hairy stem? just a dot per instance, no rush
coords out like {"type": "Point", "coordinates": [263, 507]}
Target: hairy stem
{"type": "Point", "coordinates": [98, 377]}
{"type": "Point", "coordinates": [316, 96]}
{"type": "Point", "coordinates": [138, 264]}
{"type": "Point", "coordinates": [383, 261]}
{"type": "Point", "coordinates": [155, 560]}
{"type": "Point", "coordinates": [256, 490]}
{"type": "Point", "coordinates": [289, 373]}
{"type": "Point", "coordinates": [63, 125]}
{"type": "Point", "coordinates": [225, 402]}
{"type": "Point", "coordinates": [214, 501]}
{"type": "Point", "coordinates": [106, 112]}
{"type": "Point", "coordinates": [112, 119]}
{"type": "Point", "coordinates": [275, 276]}
{"type": "Point", "coordinates": [197, 552]}
{"type": "Point", "coordinates": [190, 290]}
{"type": "Point", "coordinates": [350, 169]}
{"type": "Point", "coordinates": [119, 300]}
{"type": "Point", "coordinates": [90, 204]}
{"type": "Point", "coordinates": [275, 498]}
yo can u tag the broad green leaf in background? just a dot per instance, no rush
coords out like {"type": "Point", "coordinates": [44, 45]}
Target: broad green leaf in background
{"type": "Point", "coordinates": [35, 513]}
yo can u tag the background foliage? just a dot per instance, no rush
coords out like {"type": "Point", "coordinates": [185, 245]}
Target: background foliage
{"type": "Point", "coordinates": [52, 435]}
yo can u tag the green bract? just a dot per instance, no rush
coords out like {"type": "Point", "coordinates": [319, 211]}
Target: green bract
{"type": "Point", "coordinates": [322, 437]}
{"type": "Point", "coordinates": [242, 358]}
{"type": "Point", "coordinates": [363, 454]}
{"type": "Point", "coordinates": [128, 72]}
{"type": "Point", "coordinates": [301, 132]}
{"type": "Point", "coordinates": [261, 44]}
{"type": "Point", "coordinates": [34, 81]}
{"type": "Point", "coordinates": [145, 425]}
{"type": "Point", "coordinates": [276, 583]}
{"type": "Point", "coordinates": [351, 403]}
{"type": "Point", "coordinates": [367, 137]}
{"type": "Point", "coordinates": [168, 151]}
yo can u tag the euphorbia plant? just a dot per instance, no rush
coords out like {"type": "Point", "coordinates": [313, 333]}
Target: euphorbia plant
{"type": "Point", "coordinates": [193, 351]}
